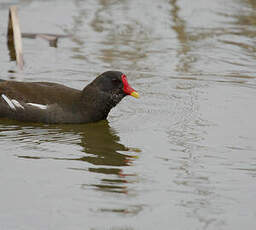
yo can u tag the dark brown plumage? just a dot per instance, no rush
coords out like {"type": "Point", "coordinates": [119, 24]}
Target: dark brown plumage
{"type": "Point", "coordinates": [55, 103]}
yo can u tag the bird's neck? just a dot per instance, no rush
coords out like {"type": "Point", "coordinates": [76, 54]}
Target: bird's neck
{"type": "Point", "coordinates": [96, 103]}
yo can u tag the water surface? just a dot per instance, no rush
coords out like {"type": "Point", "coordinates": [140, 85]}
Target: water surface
{"type": "Point", "coordinates": [180, 157]}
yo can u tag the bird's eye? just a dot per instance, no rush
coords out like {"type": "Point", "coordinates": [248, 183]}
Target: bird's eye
{"type": "Point", "coordinates": [116, 81]}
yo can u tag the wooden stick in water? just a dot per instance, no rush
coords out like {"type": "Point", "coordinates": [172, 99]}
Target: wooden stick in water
{"type": "Point", "coordinates": [51, 38]}
{"type": "Point", "coordinates": [14, 36]}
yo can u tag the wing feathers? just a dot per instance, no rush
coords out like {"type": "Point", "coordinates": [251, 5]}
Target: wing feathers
{"type": "Point", "coordinates": [13, 104]}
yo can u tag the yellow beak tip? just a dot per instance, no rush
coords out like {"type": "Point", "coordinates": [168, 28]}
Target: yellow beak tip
{"type": "Point", "coordinates": [135, 94]}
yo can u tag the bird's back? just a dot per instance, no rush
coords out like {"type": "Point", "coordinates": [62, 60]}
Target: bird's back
{"type": "Point", "coordinates": [39, 92]}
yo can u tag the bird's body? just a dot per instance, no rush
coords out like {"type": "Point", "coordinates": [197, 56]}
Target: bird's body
{"type": "Point", "coordinates": [55, 103]}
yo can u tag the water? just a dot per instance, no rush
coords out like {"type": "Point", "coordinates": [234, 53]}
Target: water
{"type": "Point", "coordinates": [180, 157]}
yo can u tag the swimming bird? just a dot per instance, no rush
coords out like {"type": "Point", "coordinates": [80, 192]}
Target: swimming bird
{"type": "Point", "coordinates": [48, 102]}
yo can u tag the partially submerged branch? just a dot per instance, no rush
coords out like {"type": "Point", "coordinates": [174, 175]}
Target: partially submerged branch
{"type": "Point", "coordinates": [14, 37]}
{"type": "Point", "coordinates": [51, 38]}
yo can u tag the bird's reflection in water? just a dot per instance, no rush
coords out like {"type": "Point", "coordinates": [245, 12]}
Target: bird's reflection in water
{"type": "Point", "coordinates": [99, 142]}
{"type": "Point", "coordinates": [103, 150]}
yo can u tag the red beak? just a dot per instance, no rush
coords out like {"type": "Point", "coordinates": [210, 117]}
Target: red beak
{"type": "Point", "coordinates": [128, 89]}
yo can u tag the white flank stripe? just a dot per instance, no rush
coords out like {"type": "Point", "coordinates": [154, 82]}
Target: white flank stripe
{"type": "Point", "coordinates": [40, 106]}
{"type": "Point", "coordinates": [9, 102]}
{"type": "Point", "coordinates": [17, 104]}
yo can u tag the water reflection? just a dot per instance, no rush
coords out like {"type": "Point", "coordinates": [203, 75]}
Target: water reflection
{"type": "Point", "coordinates": [11, 49]}
{"type": "Point", "coordinates": [183, 53]}
{"type": "Point", "coordinates": [100, 144]}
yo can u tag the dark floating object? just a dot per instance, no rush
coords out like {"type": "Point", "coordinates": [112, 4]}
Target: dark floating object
{"type": "Point", "coordinates": [14, 37]}
{"type": "Point", "coordinates": [47, 102]}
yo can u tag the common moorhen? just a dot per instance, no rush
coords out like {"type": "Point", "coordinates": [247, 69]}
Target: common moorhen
{"type": "Point", "coordinates": [55, 103]}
